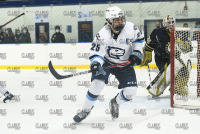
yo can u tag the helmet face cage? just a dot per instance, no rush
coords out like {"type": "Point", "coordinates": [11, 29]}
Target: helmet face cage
{"type": "Point", "coordinates": [114, 13]}
{"type": "Point", "coordinates": [168, 19]}
{"type": "Point", "coordinates": [118, 28]}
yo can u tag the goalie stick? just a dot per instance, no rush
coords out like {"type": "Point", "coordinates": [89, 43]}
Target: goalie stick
{"type": "Point", "coordinates": [148, 69]}
{"type": "Point", "coordinates": [58, 76]}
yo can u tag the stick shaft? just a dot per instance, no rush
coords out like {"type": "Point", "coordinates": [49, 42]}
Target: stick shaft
{"type": "Point", "coordinates": [148, 68]}
{"type": "Point", "coordinates": [58, 76]}
{"type": "Point", "coordinates": [11, 20]}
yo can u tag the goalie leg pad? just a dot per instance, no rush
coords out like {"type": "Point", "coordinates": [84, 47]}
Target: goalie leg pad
{"type": "Point", "coordinates": [182, 78]}
{"type": "Point", "coordinates": [161, 81]}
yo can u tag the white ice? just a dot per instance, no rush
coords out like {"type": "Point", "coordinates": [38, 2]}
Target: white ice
{"type": "Point", "coordinates": [138, 124]}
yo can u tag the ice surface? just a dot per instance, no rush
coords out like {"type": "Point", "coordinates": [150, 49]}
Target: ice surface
{"type": "Point", "coordinates": [141, 116]}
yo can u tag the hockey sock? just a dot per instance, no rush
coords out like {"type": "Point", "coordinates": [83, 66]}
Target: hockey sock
{"type": "Point", "coordinates": [92, 94]}
{"type": "Point", "coordinates": [126, 95]}
{"type": "Point", "coordinates": [3, 92]}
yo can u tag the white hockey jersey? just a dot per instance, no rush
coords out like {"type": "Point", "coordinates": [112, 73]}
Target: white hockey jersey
{"type": "Point", "coordinates": [104, 46]}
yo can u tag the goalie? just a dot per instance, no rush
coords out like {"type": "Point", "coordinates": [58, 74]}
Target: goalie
{"type": "Point", "coordinates": [159, 41]}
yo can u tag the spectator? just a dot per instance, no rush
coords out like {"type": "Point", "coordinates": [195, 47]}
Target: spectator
{"type": "Point", "coordinates": [85, 37]}
{"type": "Point", "coordinates": [25, 36]}
{"type": "Point", "coordinates": [43, 38]}
{"type": "Point", "coordinates": [58, 37]}
{"type": "Point", "coordinates": [184, 35]}
{"type": "Point", "coordinates": [1, 35]}
{"type": "Point", "coordinates": [157, 24]}
{"type": "Point", "coordinates": [9, 36]}
{"type": "Point", "coordinates": [17, 36]}
{"type": "Point", "coordinates": [196, 33]}
{"type": "Point", "coordinates": [185, 25]}
{"type": "Point", "coordinates": [197, 24]}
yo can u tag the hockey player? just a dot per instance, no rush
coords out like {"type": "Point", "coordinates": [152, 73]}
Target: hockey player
{"type": "Point", "coordinates": [8, 95]}
{"type": "Point", "coordinates": [117, 42]}
{"type": "Point", "coordinates": [159, 42]}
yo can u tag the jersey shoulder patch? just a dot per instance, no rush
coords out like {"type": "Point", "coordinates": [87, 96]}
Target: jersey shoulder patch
{"type": "Point", "coordinates": [129, 26]}
{"type": "Point", "coordinates": [103, 34]}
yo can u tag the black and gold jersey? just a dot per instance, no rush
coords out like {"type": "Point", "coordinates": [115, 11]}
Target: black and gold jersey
{"type": "Point", "coordinates": [159, 41]}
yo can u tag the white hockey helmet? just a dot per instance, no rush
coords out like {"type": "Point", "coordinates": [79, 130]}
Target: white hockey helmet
{"type": "Point", "coordinates": [113, 13]}
{"type": "Point", "coordinates": [168, 19]}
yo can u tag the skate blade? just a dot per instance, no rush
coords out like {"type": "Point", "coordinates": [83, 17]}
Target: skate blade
{"type": "Point", "coordinates": [75, 123]}
{"type": "Point", "coordinates": [9, 101]}
{"type": "Point", "coordinates": [114, 118]}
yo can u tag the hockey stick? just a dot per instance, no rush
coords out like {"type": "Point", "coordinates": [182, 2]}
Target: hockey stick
{"type": "Point", "coordinates": [58, 76]}
{"type": "Point", "coordinates": [148, 68]}
{"type": "Point", "coordinates": [12, 20]}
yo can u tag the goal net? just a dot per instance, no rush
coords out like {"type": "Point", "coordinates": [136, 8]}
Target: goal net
{"type": "Point", "coordinates": [185, 68]}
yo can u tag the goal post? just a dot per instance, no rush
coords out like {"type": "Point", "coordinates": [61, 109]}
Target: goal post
{"type": "Point", "coordinates": [185, 68]}
{"type": "Point", "coordinates": [172, 37]}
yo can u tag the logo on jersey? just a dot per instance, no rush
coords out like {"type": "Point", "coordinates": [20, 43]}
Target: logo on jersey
{"type": "Point", "coordinates": [115, 52]}
{"type": "Point", "coordinates": [167, 48]}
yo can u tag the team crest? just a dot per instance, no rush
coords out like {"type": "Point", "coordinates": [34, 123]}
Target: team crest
{"type": "Point", "coordinates": [115, 52]}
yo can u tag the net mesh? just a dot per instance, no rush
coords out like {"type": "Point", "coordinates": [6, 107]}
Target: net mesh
{"type": "Point", "coordinates": [186, 67]}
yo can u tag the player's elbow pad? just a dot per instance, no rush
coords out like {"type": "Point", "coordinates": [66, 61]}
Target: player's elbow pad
{"type": "Point", "coordinates": [136, 58]}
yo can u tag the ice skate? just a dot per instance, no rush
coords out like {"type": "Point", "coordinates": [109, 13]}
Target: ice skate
{"type": "Point", "coordinates": [114, 109]}
{"type": "Point", "coordinates": [81, 116]}
{"type": "Point", "coordinates": [9, 97]}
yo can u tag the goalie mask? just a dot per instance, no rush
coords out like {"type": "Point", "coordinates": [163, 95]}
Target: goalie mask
{"type": "Point", "coordinates": [169, 22]}
{"type": "Point", "coordinates": [115, 15]}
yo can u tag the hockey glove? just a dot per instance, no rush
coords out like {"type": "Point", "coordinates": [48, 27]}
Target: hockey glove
{"type": "Point", "coordinates": [147, 58]}
{"type": "Point", "coordinates": [97, 68]}
{"type": "Point", "coordinates": [185, 46]}
{"type": "Point", "coordinates": [135, 58]}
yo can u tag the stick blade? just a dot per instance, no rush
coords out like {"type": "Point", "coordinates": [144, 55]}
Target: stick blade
{"type": "Point", "coordinates": [54, 73]}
